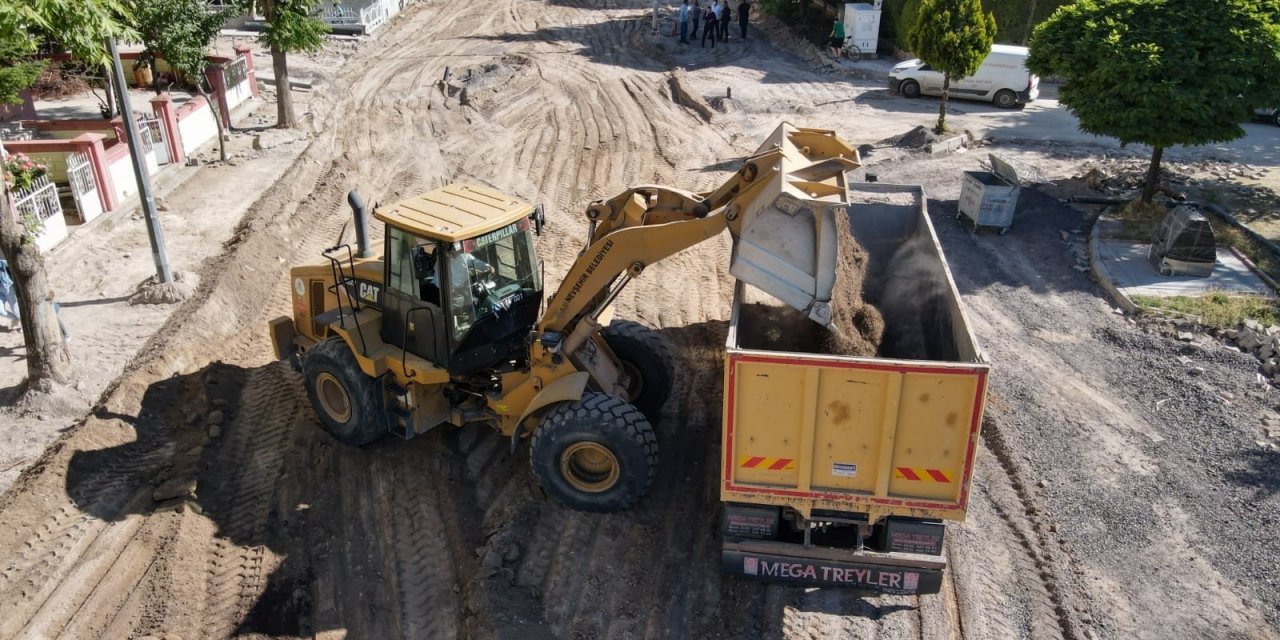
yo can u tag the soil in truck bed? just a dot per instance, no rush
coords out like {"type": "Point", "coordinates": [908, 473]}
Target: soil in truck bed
{"type": "Point", "coordinates": [856, 326]}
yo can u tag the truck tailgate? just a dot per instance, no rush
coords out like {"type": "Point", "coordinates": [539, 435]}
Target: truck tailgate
{"type": "Point", "coordinates": [851, 434]}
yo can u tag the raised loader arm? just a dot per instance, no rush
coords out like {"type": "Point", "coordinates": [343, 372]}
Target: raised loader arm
{"type": "Point", "coordinates": [779, 207]}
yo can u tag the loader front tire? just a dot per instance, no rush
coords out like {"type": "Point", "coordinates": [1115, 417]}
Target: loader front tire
{"type": "Point", "coordinates": [646, 358]}
{"type": "Point", "coordinates": [346, 400]}
{"type": "Point", "coordinates": [597, 454]}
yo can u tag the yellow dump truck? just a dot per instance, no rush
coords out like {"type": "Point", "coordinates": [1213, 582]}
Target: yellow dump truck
{"type": "Point", "coordinates": [842, 470]}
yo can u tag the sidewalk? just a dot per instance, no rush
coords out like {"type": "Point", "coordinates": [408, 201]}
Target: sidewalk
{"type": "Point", "coordinates": [1122, 269]}
{"type": "Point", "coordinates": [96, 269]}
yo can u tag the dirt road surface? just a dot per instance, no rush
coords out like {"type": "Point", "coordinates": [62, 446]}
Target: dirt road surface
{"type": "Point", "coordinates": [1119, 494]}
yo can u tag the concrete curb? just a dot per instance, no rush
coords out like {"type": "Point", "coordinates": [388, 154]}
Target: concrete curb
{"type": "Point", "coordinates": [1102, 276]}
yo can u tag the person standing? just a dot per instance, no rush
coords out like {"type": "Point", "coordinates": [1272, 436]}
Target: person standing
{"type": "Point", "coordinates": [695, 15]}
{"type": "Point", "coordinates": [709, 26]}
{"type": "Point", "coordinates": [684, 22]}
{"type": "Point", "coordinates": [725, 17]}
{"type": "Point", "coordinates": [744, 10]}
{"type": "Point", "coordinates": [837, 38]}
{"type": "Point", "coordinates": [8, 295]}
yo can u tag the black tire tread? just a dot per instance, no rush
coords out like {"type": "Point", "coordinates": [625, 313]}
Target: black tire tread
{"type": "Point", "coordinates": [611, 417]}
{"type": "Point", "coordinates": [902, 89]}
{"type": "Point", "coordinates": [629, 331]}
{"type": "Point", "coordinates": [334, 355]}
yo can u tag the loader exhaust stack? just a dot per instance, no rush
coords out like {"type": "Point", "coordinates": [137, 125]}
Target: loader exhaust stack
{"type": "Point", "coordinates": [361, 216]}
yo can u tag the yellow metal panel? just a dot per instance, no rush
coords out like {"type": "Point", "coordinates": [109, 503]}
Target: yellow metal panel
{"type": "Point", "coordinates": [808, 426]}
{"type": "Point", "coordinates": [770, 406]}
{"type": "Point", "coordinates": [934, 419]}
{"type": "Point", "coordinates": [454, 212]}
{"type": "Point", "coordinates": [851, 412]}
{"type": "Point", "coordinates": [888, 431]}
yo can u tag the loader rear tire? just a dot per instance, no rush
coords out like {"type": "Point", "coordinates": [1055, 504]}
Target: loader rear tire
{"type": "Point", "coordinates": [646, 357]}
{"type": "Point", "coordinates": [346, 400]}
{"type": "Point", "coordinates": [597, 454]}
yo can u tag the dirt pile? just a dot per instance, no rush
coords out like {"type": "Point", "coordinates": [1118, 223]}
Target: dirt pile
{"type": "Point", "coordinates": [151, 292]}
{"type": "Point", "coordinates": [856, 326]}
{"type": "Point", "coordinates": [58, 82]}
{"type": "Point", "coordinates": [918, 138]}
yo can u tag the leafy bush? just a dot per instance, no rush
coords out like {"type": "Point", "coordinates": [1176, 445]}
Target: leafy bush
{"type": "Point", "coordinates": [20, 172]}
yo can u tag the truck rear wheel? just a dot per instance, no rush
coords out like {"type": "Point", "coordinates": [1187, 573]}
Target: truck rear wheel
{"type": "Point", "coordinates": [346, 400]}
{"type": "Point", "coordinates": [597, 454]}
{"type": "Point", "coordinates": [646, 358]}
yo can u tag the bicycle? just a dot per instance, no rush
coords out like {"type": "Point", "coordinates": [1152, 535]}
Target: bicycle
{"type": "Point", "coordinates": [850, 51]}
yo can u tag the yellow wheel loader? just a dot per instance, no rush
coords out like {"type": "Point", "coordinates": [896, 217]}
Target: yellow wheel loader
{"type": "Point", "coordinates": [445, 325]}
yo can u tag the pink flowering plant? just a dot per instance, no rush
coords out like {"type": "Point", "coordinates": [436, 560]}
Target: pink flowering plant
{"type": "Point", "coordinates": [20, 172]}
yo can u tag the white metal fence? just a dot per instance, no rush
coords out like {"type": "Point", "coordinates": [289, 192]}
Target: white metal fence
{"type": "Point", "coordinates": [154, 139]}
{"type": "Point", "coordinates": [369, 17]}
{"type": "Point", "coordinates": [40, 202]}
{"type": "Point", "coordinates": [84, 186]}
{"type": "Point", "coordinates": [377, 14]}
{"type": "Point", "coordinates": [235, 72]}
{"type": "Point", "coordinates": [39, 206]}
{"type": "Point", "coordinates": [340, 16]}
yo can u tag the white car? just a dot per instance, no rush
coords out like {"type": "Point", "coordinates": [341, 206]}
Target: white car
{"type": "Point", "coordinates": [1003, 79]}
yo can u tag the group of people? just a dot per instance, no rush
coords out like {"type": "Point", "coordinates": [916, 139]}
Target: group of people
{"type": "Point", "coordinates": [715, 20]}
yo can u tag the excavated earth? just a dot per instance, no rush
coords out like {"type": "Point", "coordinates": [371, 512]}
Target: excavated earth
{"type": "Point", "coordinates": [1116, 496]}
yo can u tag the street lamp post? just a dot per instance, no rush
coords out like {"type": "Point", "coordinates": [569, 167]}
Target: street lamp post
{"type": "Point", "coordinates": [154, 233]}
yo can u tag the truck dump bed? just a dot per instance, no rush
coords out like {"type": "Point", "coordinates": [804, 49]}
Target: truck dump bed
{"type": "Point", "coordinates": [854, 452]}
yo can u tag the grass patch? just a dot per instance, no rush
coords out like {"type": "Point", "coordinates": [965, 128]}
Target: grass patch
{"type": "Point", "coordinates": [1139, 222]}
{"type": "Point", "coordinates": [1216, 309]}
{"type": "Point", "coordinates": [1141, 219]}
{"type": "Point", "coordinates": [1262, 256]}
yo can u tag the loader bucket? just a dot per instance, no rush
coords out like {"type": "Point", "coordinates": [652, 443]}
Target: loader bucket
{"type": "Point", "coordinates": [788, 240]}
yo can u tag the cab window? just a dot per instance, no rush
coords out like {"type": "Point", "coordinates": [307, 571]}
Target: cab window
{"type": "Point", "coordinates": [489, 273]}
{"type": "Point", "coordinates": [412, 266]}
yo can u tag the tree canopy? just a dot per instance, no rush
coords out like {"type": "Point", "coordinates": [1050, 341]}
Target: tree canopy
{"type": "Point", "coordinates": [78, 26]}
{"type": "Point", "coordinates": [954, 37]}
{"type": "Point", "coordinates": [291, 27]}
{"type": "Point", "coordinates": [1161, 72]}
{"type": "Point", "coordinates": [180, 31]}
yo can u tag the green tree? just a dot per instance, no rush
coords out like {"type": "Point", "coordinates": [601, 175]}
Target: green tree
{"type": "Point", "coordinates": [954, 37]}
{"type": "Point", "coordinates": [181, 31]}
{"type": "Point", "coordinates": [1161, 72]}
{"type": "Point", "coordinates": [81, 27]}
{"type": "Point", "coordinates": [290, 27]}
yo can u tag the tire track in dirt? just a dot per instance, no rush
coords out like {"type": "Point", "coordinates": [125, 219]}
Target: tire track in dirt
{"type": "Point", "coordinates": [422, 564]}
{"type": "Point", "coordinates": [1034, 561]}
{"type": "Point", "coordinates": [239, 563]}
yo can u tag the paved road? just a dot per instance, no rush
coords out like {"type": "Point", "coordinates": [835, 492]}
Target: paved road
{"type": "Point", "coordinates": [1045, 120]}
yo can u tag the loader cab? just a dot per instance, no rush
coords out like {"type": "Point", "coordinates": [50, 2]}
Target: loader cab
{"type": "Point", "coordinates": [463, 283]}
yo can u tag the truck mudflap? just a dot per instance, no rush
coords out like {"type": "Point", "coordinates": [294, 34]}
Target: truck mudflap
{"type": "Point", "coordinates": [887, 573]}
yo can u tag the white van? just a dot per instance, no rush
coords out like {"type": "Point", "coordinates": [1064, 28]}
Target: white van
{"type": "Point", "coordinates": [1003, 79]}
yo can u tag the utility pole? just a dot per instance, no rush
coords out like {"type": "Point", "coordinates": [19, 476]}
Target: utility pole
{"type": "Point", "coordinates": [154, 234]}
